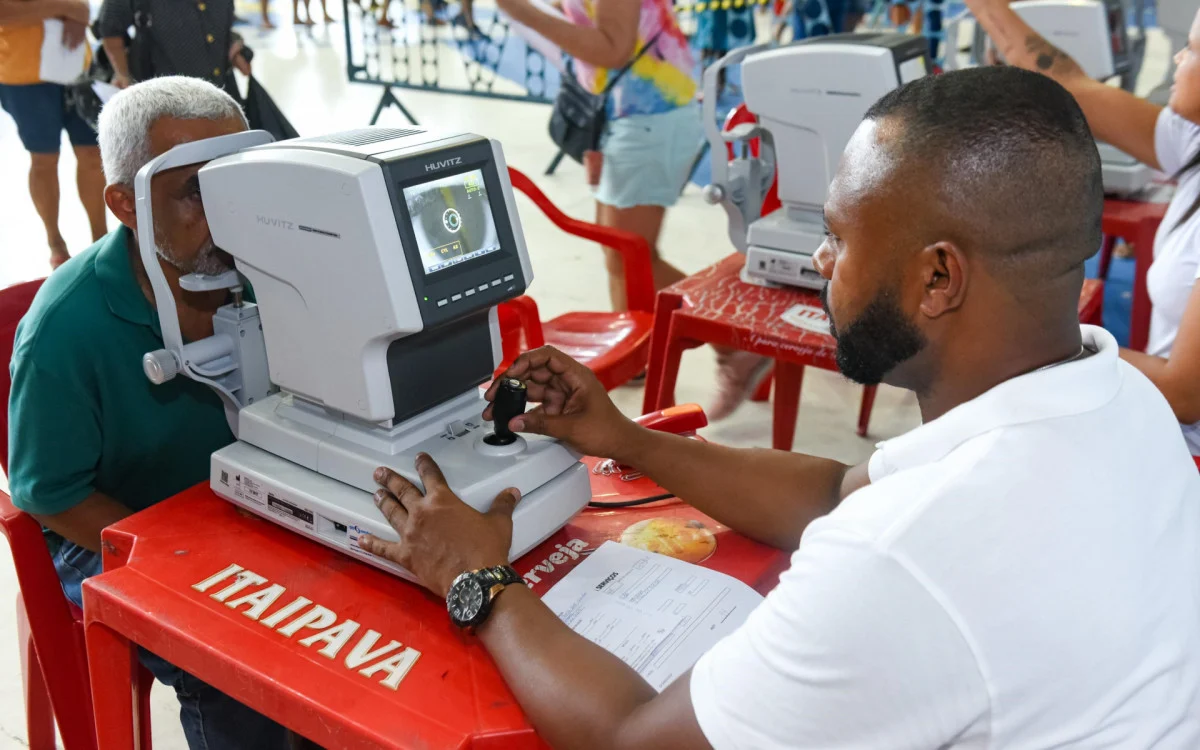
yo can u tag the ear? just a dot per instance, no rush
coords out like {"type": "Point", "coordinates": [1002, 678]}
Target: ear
{"type": "Point", "coordinates": [945, 273]}
{"type": "Point", "coordinates": [120, 200]}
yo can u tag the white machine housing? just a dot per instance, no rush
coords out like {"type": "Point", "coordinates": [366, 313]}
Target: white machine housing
{"type": "Point", "coordinates": [377, 258]}
{"type": "Point", "coordinates": [1094, 34]}
{"type": "Point", "coordinates": [809, 97]}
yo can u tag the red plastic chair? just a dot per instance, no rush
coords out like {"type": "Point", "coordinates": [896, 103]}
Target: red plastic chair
{"type": "Point", "coordinates": [49, 627]}
{"type": "Point", "coordinates": [614, 345]}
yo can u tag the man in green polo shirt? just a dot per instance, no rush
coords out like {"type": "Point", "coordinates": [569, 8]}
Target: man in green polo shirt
{"type": "Point", "coordinates": [91, 439]}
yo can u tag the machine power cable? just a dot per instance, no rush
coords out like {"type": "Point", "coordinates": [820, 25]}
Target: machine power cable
{"type": "Point", "coordinates": [632, 503]}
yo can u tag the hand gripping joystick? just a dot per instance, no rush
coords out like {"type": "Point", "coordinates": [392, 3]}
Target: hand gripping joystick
{"type": "Point", "coordinates": [509, 403]}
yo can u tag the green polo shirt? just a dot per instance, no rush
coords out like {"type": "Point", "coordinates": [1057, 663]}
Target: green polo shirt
{"type": "Point", "coordinates": [83, 418]}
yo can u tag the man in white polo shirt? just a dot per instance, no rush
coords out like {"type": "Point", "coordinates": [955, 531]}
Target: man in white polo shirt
{"type": "Point", "coordinates": [1021, 571]}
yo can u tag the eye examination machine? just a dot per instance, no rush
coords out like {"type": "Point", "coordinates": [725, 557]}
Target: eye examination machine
{"type": "Point", "coordinates": [1095, 35]}
{"type": "Point", "coordinates": [369, 264]}
{"type": "Point", "coordinates": [810, 97]}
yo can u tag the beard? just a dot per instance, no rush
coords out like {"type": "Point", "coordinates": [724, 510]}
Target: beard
{"type": "Point", "coordinates": [872, 345]}
{"type": "Point", "coordinates": [210, 261]}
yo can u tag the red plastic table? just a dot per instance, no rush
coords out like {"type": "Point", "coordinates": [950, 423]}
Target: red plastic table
{"type": "Point", "coordinates": [1136, 222]}
{"type": "Point", "coordinates": [715, 306]}
{"type": "Point", "coordinates": [360, 683]}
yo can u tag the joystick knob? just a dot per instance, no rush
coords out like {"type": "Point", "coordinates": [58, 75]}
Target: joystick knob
{"type": "Point", "coordinates": [509, 403]}
{"type": "Point", "coordinates": [510, 400]}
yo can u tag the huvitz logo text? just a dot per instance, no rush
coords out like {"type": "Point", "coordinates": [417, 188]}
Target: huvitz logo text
{"type": "Point", "coordinates": [434, 166]}
{"type": "Point", "coordinates": [277, 223]}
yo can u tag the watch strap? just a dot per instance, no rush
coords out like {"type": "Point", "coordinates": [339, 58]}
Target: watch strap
{"type": "Point", "coordinates": [503, 575]}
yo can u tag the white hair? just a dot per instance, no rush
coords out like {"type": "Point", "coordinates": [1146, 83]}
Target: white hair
{"type": "Point", "coordinates": [126, 119]}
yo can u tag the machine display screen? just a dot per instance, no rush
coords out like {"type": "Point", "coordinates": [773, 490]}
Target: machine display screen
{"type": "Point", "coordinates": [452, 220]}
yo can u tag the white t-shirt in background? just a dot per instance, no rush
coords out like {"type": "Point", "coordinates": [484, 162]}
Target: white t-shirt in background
{"type": "Point", "coordinates": [1176, 251]}
{"type": "Point", "coordinates": [1022, 572]}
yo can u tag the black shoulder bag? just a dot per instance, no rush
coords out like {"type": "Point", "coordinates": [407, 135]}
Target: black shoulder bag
{"type": "Point", "coordinates": [579, 116]}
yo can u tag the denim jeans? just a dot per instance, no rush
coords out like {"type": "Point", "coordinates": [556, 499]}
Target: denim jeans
{"type": "Point", "coordinates": [211, 720]}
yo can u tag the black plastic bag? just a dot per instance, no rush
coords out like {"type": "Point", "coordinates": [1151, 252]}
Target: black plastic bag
{"type": "Point", "coordinates": [264, 114]}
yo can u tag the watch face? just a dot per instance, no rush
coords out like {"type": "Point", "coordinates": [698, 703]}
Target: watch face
{"type": "Point", "coordinates": [465, 600]}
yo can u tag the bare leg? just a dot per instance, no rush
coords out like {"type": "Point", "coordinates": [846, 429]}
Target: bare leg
{"type": "Point", "coordinates": [647, 222]}
{"type": "Point", "coordinates": [43, 189]}
{"type": "Point", "coordinates": [89, 179]}
{"type": "Point", "coordinates": [266, 20]}
{"type": "Point", "coordinates": [325, 12]}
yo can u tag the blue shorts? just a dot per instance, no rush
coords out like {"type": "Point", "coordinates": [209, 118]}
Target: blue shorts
{"type": "Point", "coordinates": [648, 158]}
{"type": "Point", "coordinates": [40, 110]}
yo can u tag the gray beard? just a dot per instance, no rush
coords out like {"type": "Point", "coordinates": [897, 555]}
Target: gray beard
{"type": "Point", "coordinates": [206, 262]}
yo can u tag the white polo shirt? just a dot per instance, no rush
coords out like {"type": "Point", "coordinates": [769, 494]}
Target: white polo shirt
{"type": "Point", "coordinates": [1022, 572]}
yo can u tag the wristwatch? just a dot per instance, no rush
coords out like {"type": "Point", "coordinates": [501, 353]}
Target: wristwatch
{"type": "Point", "coordinates": [469, 601]}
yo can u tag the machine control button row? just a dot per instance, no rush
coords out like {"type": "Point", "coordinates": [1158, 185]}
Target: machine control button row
{"type": "Point", "coordinates": [456, 428]}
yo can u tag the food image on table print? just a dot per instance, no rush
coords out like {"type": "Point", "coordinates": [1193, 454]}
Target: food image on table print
{"type": "Point", "coordinates": [683, 539]}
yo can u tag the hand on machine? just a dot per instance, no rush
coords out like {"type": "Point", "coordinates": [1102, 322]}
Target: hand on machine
{"type": "Point", "coordinates": [440, 536]}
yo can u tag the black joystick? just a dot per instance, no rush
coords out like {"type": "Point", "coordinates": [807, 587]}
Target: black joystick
{"type": "Point", "coordinates": [509, 403]}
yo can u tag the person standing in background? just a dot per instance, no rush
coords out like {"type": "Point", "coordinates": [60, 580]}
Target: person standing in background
{"type": "Point", "coordinates": [187, 39]}
{"type": "Point", "coordinates": [266, 21]}
{"type": "Point", "coordinates": [653, 133]}
{"type": "Point", "coordinates": [40, 111]}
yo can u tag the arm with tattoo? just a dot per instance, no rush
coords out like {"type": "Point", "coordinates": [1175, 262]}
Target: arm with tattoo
{"type": "Point", "coordinates": [1115, 116]}
{"type": "Point", "coordinates": [1049, 59]}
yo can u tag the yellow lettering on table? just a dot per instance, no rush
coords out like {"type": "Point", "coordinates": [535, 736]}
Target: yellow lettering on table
{"type": "Point", "coordinates": [300, 603]}
{"type": "Point", "coordinates": [396, 666]}
{"type": "Point", "coordinates": [336, 637]}
{"type": "Point", "coordinates": [316, 618]}
{"type": "Point", "coordinates": [213, 580]}
{"type": "Point", "coordinates": [362, 653]}
{"type": "Point", "coordinates": [260, 600]}
{"type": "Point", "coordinates": [245, 580]}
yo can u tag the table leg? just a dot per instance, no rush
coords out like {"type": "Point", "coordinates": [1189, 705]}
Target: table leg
{"type": "Point", "coordinates": [1139, 324]}
{"type": "Point", "coordinates": [763, 392]}
{"type": "Point", "coordinates": [665, 305]}
{"type": "Point", "coordinates": [112, 661]}
{"type": "Point", "coordinates": [670, 372]}
{"type": "Point", "coordinates": [864, 411]}
{"type": "Point", "coordinates": [788, 379]}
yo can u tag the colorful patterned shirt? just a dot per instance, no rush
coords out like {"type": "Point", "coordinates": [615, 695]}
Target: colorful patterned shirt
{"type": "Point", "coordinates": [661, 80]}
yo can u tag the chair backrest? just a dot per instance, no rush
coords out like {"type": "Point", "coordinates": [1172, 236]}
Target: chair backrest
{"type": "Point", "coordinates": [14, 303]}
{"type": "Point", "coordinates": [633, 248]}
{"type": "Point", "coordinates": [52, 624]}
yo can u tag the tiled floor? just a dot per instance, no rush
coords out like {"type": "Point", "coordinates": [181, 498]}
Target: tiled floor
{"type": "Point", "coordinates": [304, 71]}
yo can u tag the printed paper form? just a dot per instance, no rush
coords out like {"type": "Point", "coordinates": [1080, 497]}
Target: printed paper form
{"type": "Point", "coordinates": [59, 64]}
{"type": "Point", "coordinates": [656, 613]}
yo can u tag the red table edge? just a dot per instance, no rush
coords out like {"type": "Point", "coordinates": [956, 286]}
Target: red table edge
{"type": "Point", "coordinates": [112, 662]}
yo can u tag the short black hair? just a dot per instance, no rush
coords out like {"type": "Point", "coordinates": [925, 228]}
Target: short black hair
{"type": "Point", "coordinates": [1015, 163]}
